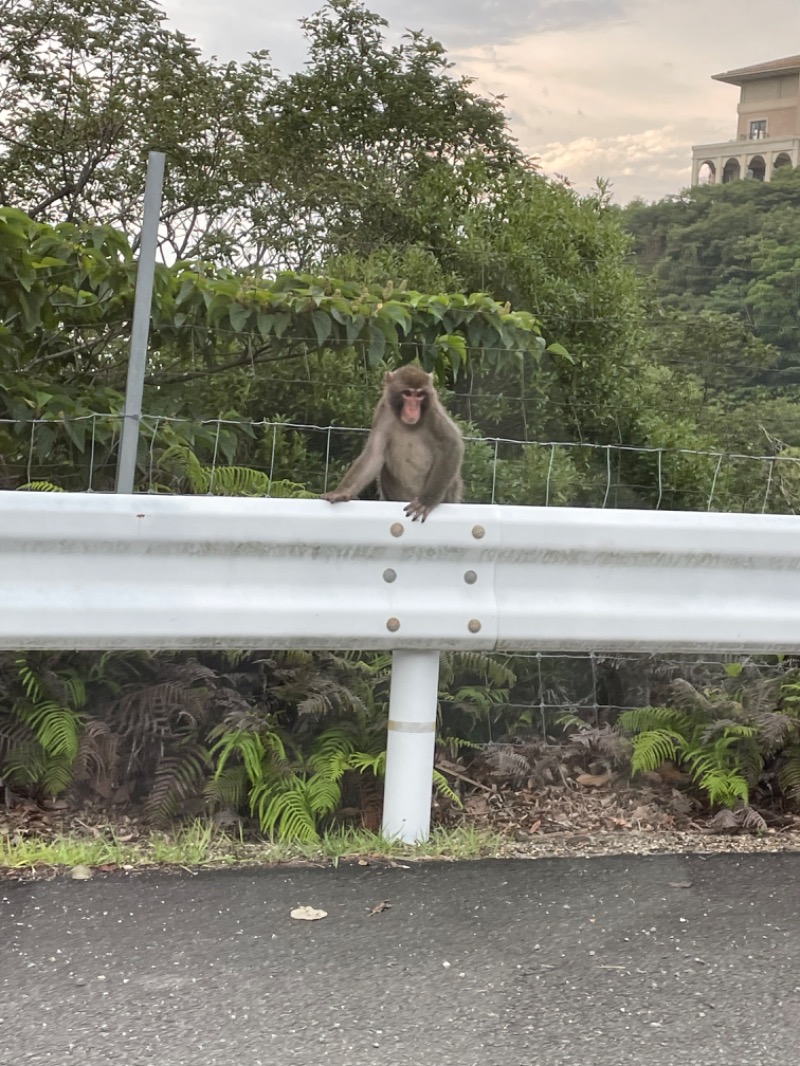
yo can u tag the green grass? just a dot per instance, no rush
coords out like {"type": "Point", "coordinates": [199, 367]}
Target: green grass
{"type": "Point", "coordinates": [203, 844]}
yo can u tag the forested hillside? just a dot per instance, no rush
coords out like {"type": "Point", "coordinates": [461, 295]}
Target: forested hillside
{"type": "Point", "coordinates": [723, 267]}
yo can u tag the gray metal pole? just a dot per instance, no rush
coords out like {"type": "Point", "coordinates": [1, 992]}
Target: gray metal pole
{"type": "Point", "coordinates": [142, 308]}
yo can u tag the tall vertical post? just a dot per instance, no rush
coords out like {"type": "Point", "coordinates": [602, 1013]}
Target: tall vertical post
{"type": "Point", "coordinates": [413, 699]}
{"type": "Point", "coordinates": [142, 307]}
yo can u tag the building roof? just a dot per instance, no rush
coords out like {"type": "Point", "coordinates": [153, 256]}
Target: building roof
{"type": "Point", "coordinates": [789, 65]}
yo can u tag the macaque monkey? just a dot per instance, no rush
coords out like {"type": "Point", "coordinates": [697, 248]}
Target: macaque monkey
{"type": "Point", "coordinates": [414, 448]}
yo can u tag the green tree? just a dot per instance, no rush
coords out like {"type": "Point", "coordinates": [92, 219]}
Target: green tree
{"type": "Point", "coordinates": [65, 308]}
{"type": "Point", "coordinates": [262, 169]}
{"type": "Point", "coordinates": [729, 249]}
{"type": "Point", "coordinates": [88, 89]}
{"type": "Point", "coordinates": [720, 264]}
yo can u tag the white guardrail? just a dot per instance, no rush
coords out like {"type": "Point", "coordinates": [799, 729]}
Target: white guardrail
{"type": "Point", "coordinates": [115, 571]}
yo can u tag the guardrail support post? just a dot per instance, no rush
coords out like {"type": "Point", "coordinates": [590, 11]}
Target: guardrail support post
{"type": "Point", "coordinates": [413, 699]}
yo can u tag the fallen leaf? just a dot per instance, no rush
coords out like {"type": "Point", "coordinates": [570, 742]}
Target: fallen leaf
{"type": "Point", "coordinates": [593, 780]}
{"type": "Point", "coordinates": [308, 914]}
{"type": "Point", "coordinates": [673, 776]}
{"type": "Point", "coordinates": [476, 804]}
{"type": "Point", "coordinates": [384, 905]}
{"type": "Point", "coordinates": [642, 814]}
{"type": "Point", "coordinates": [680, 802]}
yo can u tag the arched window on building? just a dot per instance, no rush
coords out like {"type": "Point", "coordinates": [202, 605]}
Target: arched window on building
{"type": "Point", "coordinates": [757, 168]}
{"type": "Point", "coordinates": [732, 171]}
{"type": "Point", "coordinates": [707, 174]}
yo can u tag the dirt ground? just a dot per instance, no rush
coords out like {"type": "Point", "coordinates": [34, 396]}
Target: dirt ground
{"type": "Point", "coordinates": [556, 799]}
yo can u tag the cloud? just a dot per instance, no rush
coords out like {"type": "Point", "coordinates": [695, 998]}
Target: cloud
{"type": "Point", "coordinates": [493, 21]}
{"type": "Point", "coordinates": [238, 26]}
{"type": "Point", "coordinates": [629, 160]}
{"type": "Point", "coordinates": [619, 88]}
{"type": "Point", "coordinates": [627, 98]}
{"type": "Point", "coordinates": [626, 150]}
{"type": "Point", "coordinates": [233, 29]}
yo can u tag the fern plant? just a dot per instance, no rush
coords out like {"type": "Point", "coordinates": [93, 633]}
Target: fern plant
{"type": "Point", "coordinates": [474, 690]}
{"type": "Point", "coordinates": [789, 761]}
{"type": "Point", "coordinates": [713, 753]}
{"type": "Point", "coordinates": [217, 480]}
{"type": "Point", "coordinates": [789, 772]}
{"type": "Point", "coordinates": [289, 795]}
{"type": "Point", "coordinates": [41, 725]}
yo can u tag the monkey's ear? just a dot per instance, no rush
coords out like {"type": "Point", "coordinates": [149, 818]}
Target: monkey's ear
{"type": "Point", "coordinates": [388, 377]}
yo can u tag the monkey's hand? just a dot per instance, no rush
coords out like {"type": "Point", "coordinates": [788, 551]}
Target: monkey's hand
{"type": "Point", "coordinates": [418, 510]}
{"type": "Point", "coordinates": [337, 497]}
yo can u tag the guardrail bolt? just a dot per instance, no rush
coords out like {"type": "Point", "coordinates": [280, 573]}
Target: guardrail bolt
{"type": "Point", "coordinates": [474, 625]}
{"type": "Point", "coordinates": [393, 625]}
{"type": "Point", "coordinates": [478, 532]}
{"type": "Point", "coordinates": [389, 575]}
{"type": "Point", "coordinates": [470, 577]}
{"type": "Point", "coordinates": [397, 529]}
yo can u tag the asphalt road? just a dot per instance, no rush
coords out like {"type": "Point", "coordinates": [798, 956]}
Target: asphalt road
{"type": "Point", "coordinates": [655, 961]}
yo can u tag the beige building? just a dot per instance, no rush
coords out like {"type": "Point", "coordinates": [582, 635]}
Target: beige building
{"type": "Point", "coordinates": [768, 131]}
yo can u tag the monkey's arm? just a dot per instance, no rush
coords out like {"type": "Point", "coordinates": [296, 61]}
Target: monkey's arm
{"type": "Point", "coordinates": [440, 477]}
{"type": "Point", "coordinates": [365, 469]}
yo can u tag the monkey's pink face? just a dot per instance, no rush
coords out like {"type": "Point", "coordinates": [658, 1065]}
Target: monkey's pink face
{"type": "Point", "coordinates": [411, 411]}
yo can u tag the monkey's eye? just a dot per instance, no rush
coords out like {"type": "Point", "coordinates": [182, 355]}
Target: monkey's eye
{"type": "Point", "coordinates": [418, 394]}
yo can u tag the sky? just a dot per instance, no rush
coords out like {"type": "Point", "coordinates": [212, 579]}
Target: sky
{"type": "Point", "coordinates": [618, 89]}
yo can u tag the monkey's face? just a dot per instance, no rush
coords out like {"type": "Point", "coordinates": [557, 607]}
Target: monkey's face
{"type": "Point", "coordinates": [412, 405]}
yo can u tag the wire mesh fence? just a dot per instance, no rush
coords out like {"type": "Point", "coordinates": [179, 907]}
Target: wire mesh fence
{"type": "Point", "coordinates": [597, 687]}
{"type": "Point", "coordinates": [79, 454]}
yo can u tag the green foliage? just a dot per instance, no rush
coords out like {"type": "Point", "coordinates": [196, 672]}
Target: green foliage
{"type": "Point", "coordinates": [66, 298]}
{"type": "Point", "coordinates": [474, 689]}
{"type": "Point", "coordinates": [711, 754]}
{"type": "Point", "coordinates": [66, 283]}
{"type": "Point", "coordinates": [789, 772]}
{"type": "Point", "coordinates": [289, 796]}
{"type": "Point", "coordinates": [789, 750]}
{"type": "Point", "coordinates": [65, 305]}
{"type": "Point", "coordinates": [442, 786]}
{"type": "Point", "coordinates": [89, 88]}
{"type": "Point", "coordinates": [41, 721]}
{"type": "Point", "coordinates": [726, 738]}
{"type": "Point", "coordinates": [388, 323]}
{"type": "Point", "coordinates": [722, 264]}
{"type": "Point", "coordinates": [187, 474]}
{"type": "Point", "coordinates": [40, 486]}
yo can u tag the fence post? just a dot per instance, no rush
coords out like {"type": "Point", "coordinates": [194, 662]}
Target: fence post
{"type": "Point", "coordinates": [142, 308]}
{"type": "Point", "coordinates": [413, 699]}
